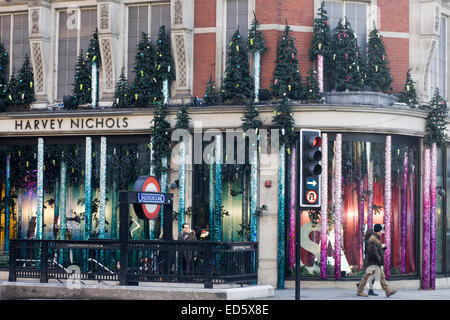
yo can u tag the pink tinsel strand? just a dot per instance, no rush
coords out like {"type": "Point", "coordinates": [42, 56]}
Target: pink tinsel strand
{"type": "Point", "coordinates": [404, 213]}
{"type": "Point", "coordinates": [370, 200]}
{"type": "Point", "coordinates": [360, 219]}
{"type": "Point", "coordinates": [338, 207]}
{"type": "Point", "coordinates": [387, 207]}
{"type": "Point", "coordinates": [292, 201]}
{"type": "Point", "coordinates": [324, 208]}
{"type": "Point", "coordinates": [433, 184]}
{"type": "Point", "coordinates": [320, 71]}
{"type": "Point", "coordinates": [426, 220]}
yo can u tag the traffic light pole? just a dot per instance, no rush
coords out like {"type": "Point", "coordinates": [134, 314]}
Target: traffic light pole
{"type": "Point", "coordinates": [297, 231]}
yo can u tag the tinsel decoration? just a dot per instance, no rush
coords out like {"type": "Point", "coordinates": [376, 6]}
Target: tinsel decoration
{"type": "Point", "coordinates": [88, 189]}
{"type": "Point", "coordinates": [426, 220]}
{"type": "Point", "coordinates": [292, 205]}
{"type": "Point", "coordinates": [212, 228]}
{"type": "Point", "coordinates": [433, 185]}
{"type": "Point", "coordinates": [164, 184]}
{"type": "Point", "coordinates": [404, 213]}
{"type": "Point", "coordinates": [370, 181]}
{"type": "Point", "coordinates": [40, 190]}
{"type": "Point", "coordinates": [324, 207]}
{"type": "Point", "coordinates": [253, 190]}
{"type": "Point", "coordinates": [338, 206]}
{"type": "Point", "coordinates": [62, 197]}
{"type": "Point", "coordinates": [218, 188]}
{"type": "Point", "coordinates": [281, 213]}
{"type": "Point", "coordinates": [255, 44]}
{"type": "Point", "coordinates": [182, 123]}
{"type": "Point", "coordinates": [8, 201]}
{"type": "Point", "coordinates": [165, 91]}
{"type": "Point", "coordinates": [102, 207]}
{"type": "Point", "coordinates": [152, 173]}
{"type": "Point", "coordinates": [320, 72]}
{"type": "Point", "coordinates": [94, 84]}
{"type": "Point", "coordinates": [387, 206]}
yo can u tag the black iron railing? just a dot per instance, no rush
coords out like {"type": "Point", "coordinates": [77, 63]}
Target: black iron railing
{"type": "Point", "coordinates": [148, 261]}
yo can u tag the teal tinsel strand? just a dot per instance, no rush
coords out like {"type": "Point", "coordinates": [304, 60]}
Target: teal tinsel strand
{"type": "Point", "coordinates": [182, 182]}
{"type": "Point", "coordinates": [56, 212]}
{"type": "Point", "coordinates": [218, 190]}
{"type": "Point", "coordinates": [152, 173]}
{"type": "Point", "coordinates": [8, 201]}
{"type": "Point", "coordinates": [253, 192]}
{"type": "Point", "coordinates": [164, 178]}
{"type": "Point", "coordinates": [114, 211]}
{"type": "Point", "coordinates": [62, 219]}
{"type": "Point", "coordinates": [281, 194]}
{"type": "Point", "coordinates": [40, 189]}
{"type": "Point", "coordinates": [102, 207]}
{"type": "Point", "coordinates": [88, 189]}
{"type": "Point", "coordinates": [211, 199]}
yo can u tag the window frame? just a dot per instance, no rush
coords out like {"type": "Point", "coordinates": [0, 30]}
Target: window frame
{"type": "Point", "coordinates": [149, 6]}
{"type": "Point", "coordinates": [437, 72]}
{"type": "Point", "coordinates": [57, 20]}
{"type": "Point", "coordinates": [10, 47]}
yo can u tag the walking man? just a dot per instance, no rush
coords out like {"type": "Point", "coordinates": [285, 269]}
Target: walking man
{"type": "Point", "coordinates": [375, 262]}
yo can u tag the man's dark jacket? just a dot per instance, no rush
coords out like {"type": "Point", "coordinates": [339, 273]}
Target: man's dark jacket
{"type": "Point", "coordinates": [375, 252]}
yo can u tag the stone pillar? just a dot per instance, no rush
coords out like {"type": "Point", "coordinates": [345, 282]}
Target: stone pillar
{"type": "Point", "coordinates": [39, 15]}
{"type": "Point", "coordinates": [267, 228]}
{"type": "Point", "coordinates": [108, 23]}
{"type": "Point", "coordinates": [182, 38]}
{"type": "Point", "coordinates": [424, 40]}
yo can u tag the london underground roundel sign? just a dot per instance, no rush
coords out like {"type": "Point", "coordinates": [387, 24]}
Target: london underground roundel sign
{"type": "Point", "coordinates": [147, 184]}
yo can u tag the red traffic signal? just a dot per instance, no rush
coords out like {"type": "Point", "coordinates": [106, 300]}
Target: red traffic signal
{"type": "Point", "coordinates": [310, 167]}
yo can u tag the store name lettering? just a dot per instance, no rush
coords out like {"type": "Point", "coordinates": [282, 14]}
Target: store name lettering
{"type": "Point", "coordinates": [77, 123]}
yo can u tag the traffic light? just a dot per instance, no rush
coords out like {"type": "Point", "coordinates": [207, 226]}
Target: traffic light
{"type": "Point", "coordinates": [310, 167]}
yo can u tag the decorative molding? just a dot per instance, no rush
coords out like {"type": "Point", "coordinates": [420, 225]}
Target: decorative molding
{"type": "Point", "coordinates": [38, 68]}
{"type": "Point", "coordinates": [107, 62]}
{"type": "Point", "coordinates": [437, 18]}
{"type": "Point", "coordinates": [181, 58]}
{"type": "Point", "coordinates": [178, 17]}
{"type": "Point", "coordinates": [205, 30]}
{"type": "Point", "coordinates": [104, 16]}
{"type": "Point", "coordinates": [35, 21]}
{"type": "Point", "coordinates": [427, 67]}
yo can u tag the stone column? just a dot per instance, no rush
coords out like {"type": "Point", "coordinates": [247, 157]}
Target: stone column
{"type": "Point", "coordinates": [267, 228]}
{"type": "Point", "coordinates": [108, 23]}
{"type": "Point", "coordinates": [424, 40]}
{"type": "Point", "coordinates": [182, 38]}
{"type": "Point", "coordinates": [39, 18]}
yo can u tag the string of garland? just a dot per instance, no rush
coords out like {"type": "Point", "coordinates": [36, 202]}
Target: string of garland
{"type": "Point", "coordinates": [346, 59]}
{"type": "Point", "coordinates": [237, 84]}
{"type": "Point", "coordinates": [145, 89]}
{"type": "Point", "coordinates": [81, 92]}
{"type": "Point", "coordinates": [211, 96]}
{"type": "Point", "coordinates": [409, 94]}
{"type": "Point", "coordinates": [436, 122]}
{"type": "Point", "coordinates": [160, 139]}
{"type": "Point", "coordinates": [287, 79]}
{"type": "Point", "coordinates": [378, 73]}
{"type": "Point", "coordinates": [321, 41]}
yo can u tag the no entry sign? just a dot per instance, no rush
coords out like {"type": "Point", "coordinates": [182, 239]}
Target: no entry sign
{"type": "Point", "coordinates": [148, 209]}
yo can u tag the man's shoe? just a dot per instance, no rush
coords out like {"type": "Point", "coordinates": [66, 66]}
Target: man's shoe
{"type": "Point", "coordinates": [362, 294]}
{"type": "Point", "coordinates": [390, 293]}
{"type": "Point", "coordinates": [372, 293]}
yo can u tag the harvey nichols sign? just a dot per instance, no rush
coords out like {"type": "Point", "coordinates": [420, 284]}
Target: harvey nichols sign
{"type": "Point", "coordinates": [75, 124]}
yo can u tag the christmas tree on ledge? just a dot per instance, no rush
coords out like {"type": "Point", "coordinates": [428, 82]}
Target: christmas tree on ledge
{"type": "Point", "coordinates": [409, 95]}
{"type": "Point", "coordinates": [81, 93]}
{"type": "Point", "coordinates": [378, 73]}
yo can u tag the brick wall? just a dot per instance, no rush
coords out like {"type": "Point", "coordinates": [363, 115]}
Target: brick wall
{"type": "Point", "coordinates": [393, 21]}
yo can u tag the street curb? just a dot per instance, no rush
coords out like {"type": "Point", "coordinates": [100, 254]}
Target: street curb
{"type": "Point", "coordinates": [21, 290]}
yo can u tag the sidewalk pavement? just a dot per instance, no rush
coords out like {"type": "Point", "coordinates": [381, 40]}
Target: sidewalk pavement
{"type": "Point", "coordinates": [348, 294]}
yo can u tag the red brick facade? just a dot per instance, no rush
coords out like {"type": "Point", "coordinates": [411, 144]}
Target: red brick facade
{"type": "Point", "coordinates": [393, 22]}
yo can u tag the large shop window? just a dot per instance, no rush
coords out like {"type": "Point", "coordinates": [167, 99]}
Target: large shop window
{"type": "Point", "coordinates": [359, 153]}
{"type": "Point", "coordinates": [356, 13]}
{"type": "Point", "coordinates": [72, 37]}
{"type": "Point", "coordinates": [438, 71]}
{"type": "Point", "coordinates": [17, 46]}
{"type": "Point", "coordinates": [64, 186]}
{"type": "Point", "coordinates": [148, 19]}
{"type": "Point", "coordinates": [232, 179]}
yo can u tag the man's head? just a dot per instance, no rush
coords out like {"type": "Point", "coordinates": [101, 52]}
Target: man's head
{"type": "Point", "coordinates": [378, 228]}
{"type": "Point", "coordinates": [186, 228]}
